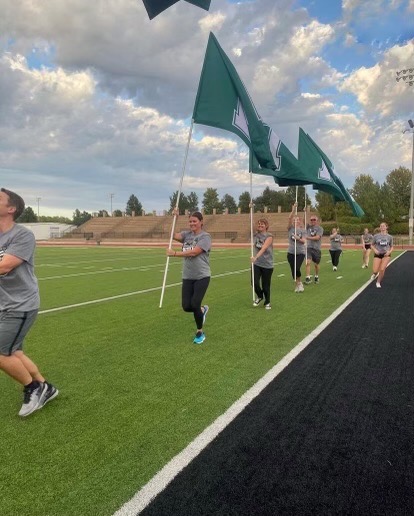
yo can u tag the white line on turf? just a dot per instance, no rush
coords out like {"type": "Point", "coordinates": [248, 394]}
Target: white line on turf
{"type": "Point", "coordinates": [135, 293]}
{"type": "Point", "coordinates": [161, 480]}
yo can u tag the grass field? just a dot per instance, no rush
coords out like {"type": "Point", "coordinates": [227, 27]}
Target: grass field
{"type": "Point", "coordinates": [134, 390]}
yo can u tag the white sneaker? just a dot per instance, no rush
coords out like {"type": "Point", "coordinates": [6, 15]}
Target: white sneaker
{"type": "Point", "coordinates": [334, 269]}
{"type": "Point", "coordinates": [378, 285]}
{"type": "Point", "coordinates": [32, 400]}
{"type": "Point", "coordinates": [301, 288]}
{"type": "Point", "coordinates": [257, 301]}
{"type": "Point", "coordinates": [364, 266]}
{"type": "Point", "coordinates": [268, 306]}
{"type": "Point", "coordinates": [297, 288]}
{"type": "Point", "coordinates": [375, 276]}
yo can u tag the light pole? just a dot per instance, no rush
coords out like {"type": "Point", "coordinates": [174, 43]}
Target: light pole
{"type": "Point", "coordinates": [38, 205]}
{"type": "Point", "coordinates": [411, 212]}
{"type": "Point", "coordinates": [111, 195]}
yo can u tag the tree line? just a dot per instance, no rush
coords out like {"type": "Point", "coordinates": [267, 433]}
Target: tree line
{"type": "Point", "coordinates": [389, 201]}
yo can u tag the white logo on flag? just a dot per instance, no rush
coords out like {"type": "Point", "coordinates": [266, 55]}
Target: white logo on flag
{"type": "Point", "coordinates": [240, 120]}
{"type": "Point", "coordinates": [324, 173]}
{"type": "Point", "coordinates": [274, 144]}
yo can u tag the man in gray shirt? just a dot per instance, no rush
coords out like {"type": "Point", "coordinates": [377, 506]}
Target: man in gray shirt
{"type": "Point", "coordinates": [19, 304]}
{"type": "Point", "coordinates": [314, 241]}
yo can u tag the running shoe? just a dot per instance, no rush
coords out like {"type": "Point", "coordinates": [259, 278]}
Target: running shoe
{"type": "Point", "coordinates": [51, 394]}
{"type": "Point", "coordinates": [199, 338]}
{"type": "Point", "coordinates": [32, 399]}
{"type": "Point", "coordinates": [257, 301]}
{"type": "Point", "coordinates": [307, 280]}
{"type": "Point", "coordinates": [378, 285]}
{"type": "Point", "coordinates": [268, 306]}
{"type": "Point", "coordinates": [316, 279]}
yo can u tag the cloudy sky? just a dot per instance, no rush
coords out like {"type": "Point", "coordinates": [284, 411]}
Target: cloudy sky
{"type": "Point", "coordinates": [96, 99]}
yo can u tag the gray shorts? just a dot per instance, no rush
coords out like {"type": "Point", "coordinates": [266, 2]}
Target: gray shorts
{"type": "Point", "coordinates": [314, 255]}
{"type": "Point", "coordinates": [13, 329]}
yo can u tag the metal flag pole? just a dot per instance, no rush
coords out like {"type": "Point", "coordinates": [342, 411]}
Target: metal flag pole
{"type": "Point", "coordinates": [176, 210]}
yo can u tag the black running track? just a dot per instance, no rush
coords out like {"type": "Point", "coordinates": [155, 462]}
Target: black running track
{"type": "Point", "coordinates": [332, 434]}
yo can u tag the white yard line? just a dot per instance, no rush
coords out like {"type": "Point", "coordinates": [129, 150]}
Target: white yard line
{"type": "Point", "coordinates": [161, 480]}
{"type": "Point", "coordinates": [128, 294]}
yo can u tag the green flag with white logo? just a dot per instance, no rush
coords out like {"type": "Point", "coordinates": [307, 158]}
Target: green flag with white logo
{"type": "Point", "coordinates": [313, 160]}
{"type": "Point", "coordinates": [223, 101]}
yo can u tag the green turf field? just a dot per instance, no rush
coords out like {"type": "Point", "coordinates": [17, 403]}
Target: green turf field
{"type": "Point", "coordinates": [134, 389]}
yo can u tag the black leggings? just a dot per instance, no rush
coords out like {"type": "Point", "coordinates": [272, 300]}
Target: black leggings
{"type": "Point", "coordinates": [299, 261]}
{"type": "Point", "coordinates": [193, 292]}
{"type": "Point", "coordinates": [260, 273]}
{"type": "Point", "coordinates": [335, 254]}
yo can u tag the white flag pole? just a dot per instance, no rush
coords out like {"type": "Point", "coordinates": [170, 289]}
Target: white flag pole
{"type": "Point", "coordinates": [296, 212]}
{"type": "Point", "coordinates": [251, 229]}
{"type": "Point", "coordinates": [176, 210]}
{"type": "Point", "coordinates": [306, 228]}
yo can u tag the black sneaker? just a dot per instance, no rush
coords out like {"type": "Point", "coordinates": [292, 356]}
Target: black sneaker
{"type": "Point", "coordinates": [33, 399]}
{"type": "Point", "coordinates": [307, 280]}
{"type": "Point", "coordinates": [316, 279]}
{"type": "Point", "coordinates": [51, 394]}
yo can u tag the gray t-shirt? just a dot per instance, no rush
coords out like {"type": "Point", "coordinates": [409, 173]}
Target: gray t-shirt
{"type": "Point", "coordinates": [301, 233]}
{"type": "Point", "coordinates": [196, 267]}
{"type": "Point", "coordinates": [382, 243]}
{"type": "Point", "coordinates": [313, 231]}
{"type": "Point", "coordinates": [367, 238]}
{"type": "Point", "coordinates": [18, 289]}
{"type": "Point", "coordinates": [336, 242]}
{"type": "Point", "coordinates": [266, 259]}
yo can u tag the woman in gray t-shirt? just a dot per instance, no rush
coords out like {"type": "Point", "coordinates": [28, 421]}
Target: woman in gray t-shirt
{"type": "Point", "coordinates": [262, 260]}
{"type": "Point", "coordinates": [297, 247]}
{"type": "Point", "coordinates": [335, 249]}
{"type": "Point", "coordinates": [382, 246]}
{"type": "Point", "coordinates": [196, 246]}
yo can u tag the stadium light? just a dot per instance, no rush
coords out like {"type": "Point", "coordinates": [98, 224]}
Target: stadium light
{"type": "Point", "coordinates": [111, 195]}
{"type": "Point", "coordinates": [406, 75]}
{"type": "Point", "coordinates": [38, 199]}
{"type": "Point", "coordinates": [411, 213]}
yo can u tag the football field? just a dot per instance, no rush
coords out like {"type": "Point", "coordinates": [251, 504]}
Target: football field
{"type": "Point", "coordinates": [134, 389]}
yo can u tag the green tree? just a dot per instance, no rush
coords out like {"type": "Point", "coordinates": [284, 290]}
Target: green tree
{"type": "Point", "coordinates": [80, 218]}
{"type": "Point", "coordinates": [325, 206]}
{"type": "Point", "coordinates": [133, 205]}
{"type": "Point", "coordinates": [211, 201]}
{"type": "Point", "coordinates": [28, 215]}
{"type": "Point", "coordinates": [103, 213]}
{"type": "Point", "coordinates": [54, 218]}
{"type": "Point", "coordinates": [192, 200]}
{"type": "Point", "coordinates": [290, 196]}
{"type": "Point", "coordinates": [367, 193]}
{"type": "Point", "coordinates": [244, 202]}
{"type": "Point", "coordinates": [397, 190]}
{"type": "Point", "coordinates": [189, 202]}
{"type": "Point", "coordinates": [229, 202]}
{"type": "Point", "coordinates": [117, 213]}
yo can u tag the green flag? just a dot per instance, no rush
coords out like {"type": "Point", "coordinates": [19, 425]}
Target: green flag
{"type": "Point", "coordinates": [312, 158]}
{"type": "Point", "coordinates": [155, 7]}
{"type": "Point", "coordinates": [223, 101]}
